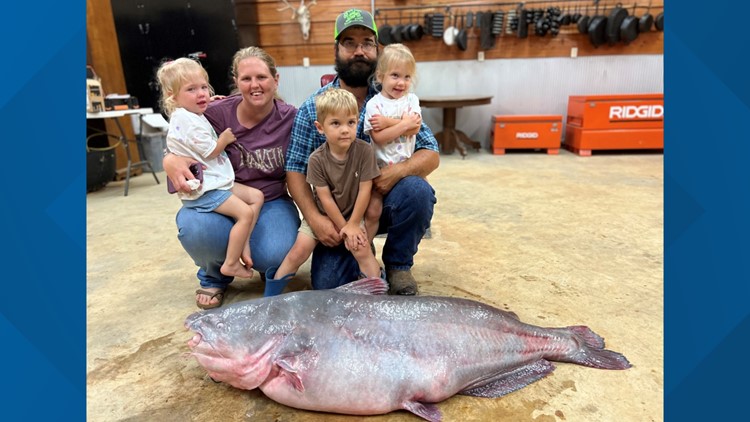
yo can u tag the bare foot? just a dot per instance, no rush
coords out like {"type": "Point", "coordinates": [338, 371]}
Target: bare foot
{"type": "Point", "coordinates": [246, 261]}
{"type": "Point", "coordinates": [206, 299]}
{"type": "Point", "coordinates": [236, 269]}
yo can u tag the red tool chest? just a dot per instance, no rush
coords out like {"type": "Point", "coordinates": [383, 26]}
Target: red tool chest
{"type": "Point", "coordinates": [611, 122]}
{"type": "Point", "coordinates": [526, 132]}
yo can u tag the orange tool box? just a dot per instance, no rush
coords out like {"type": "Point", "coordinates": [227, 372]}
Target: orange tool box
{"type": "Point", "coordinates": [526, 132]}
{"type": "Point", "coordinates": [599, 122]}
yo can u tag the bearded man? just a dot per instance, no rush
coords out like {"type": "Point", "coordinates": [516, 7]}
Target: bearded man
{"type": "Point", "coordinates": [408, 200]}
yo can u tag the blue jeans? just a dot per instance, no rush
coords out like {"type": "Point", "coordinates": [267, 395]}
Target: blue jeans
{"type": "Point", "coordinates": [204, 237]}
{"type": "Point", "coordinates": [407, 212]}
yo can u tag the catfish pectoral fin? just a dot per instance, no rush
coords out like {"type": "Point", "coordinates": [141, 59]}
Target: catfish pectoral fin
{"type": "Point", "coordinates": [424, 410]}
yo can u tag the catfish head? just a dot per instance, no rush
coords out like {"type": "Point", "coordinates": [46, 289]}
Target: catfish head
{"type": "Point", "coordinates": [235, 343]}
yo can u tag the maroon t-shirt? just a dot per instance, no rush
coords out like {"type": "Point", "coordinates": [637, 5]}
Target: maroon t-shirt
{"type": "Point", "coordinates": [258, 154]}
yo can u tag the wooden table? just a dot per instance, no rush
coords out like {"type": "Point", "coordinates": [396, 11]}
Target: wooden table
{"type": "Point", "coordinates": [451, 138]}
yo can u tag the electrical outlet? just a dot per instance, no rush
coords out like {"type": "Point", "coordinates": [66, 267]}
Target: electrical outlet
{"type": "Point", "coordinates": [574, 52]}
{"type": "Point", "coordinates": [306, 61]}
{"type": "Point", "coordinates": [480, 56]}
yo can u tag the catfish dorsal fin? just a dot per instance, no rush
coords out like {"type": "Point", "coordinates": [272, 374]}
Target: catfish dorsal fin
{"type": "Point", "coordinates": [365, 286]}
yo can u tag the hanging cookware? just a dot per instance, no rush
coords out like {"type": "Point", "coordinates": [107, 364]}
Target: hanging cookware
{"type": "Point", "coordinates": [486, 39]}
{"type": "Point", "coordinates": [541, 24]}
{"type": "Point", "coordinates": [614, 21]}
{"type": "Point", "coordinates": [659, 21]}
{"type": "Point", "coordinates": [449, 35]}
{"type": "Point", "coordinates": [416, 31]}
{"type": "Point", "coordinates": [629, 28]}
{"type": "Point", "coordinates": [583, 22]}
{"type": "Point", "coordinates": [646, 21]}
{"type": "Point", "coordinates": [523, 24]}
{"type": "Point", "coordinates": [396, 31]}
{"type": "Point", "coordinates": [462, 37]}
{"type": "Point", "coordinates": [406, 31]}
{"type": "Point", "coordinates": [554, 15]}
{"type": "Point", "coordinates": [576, 15]}
{"type": "Point", "coordinates": [469, 19]}
{"type": "Point", "coordinates": [384, 34]}
{"type": "Point", "coordinates": [497, 22]}
{"type": "Point", "coordinates": [511, 24]}
{"type": "Point", "coordinates": [597, 29]}
{"type": "Point", "coordinates": [438, 24]}
{"type": "Point", "coordinates": [565, 18]}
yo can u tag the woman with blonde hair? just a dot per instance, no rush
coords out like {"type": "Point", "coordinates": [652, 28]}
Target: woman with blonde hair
{"type": "Point", "coordinates": [262, 124]}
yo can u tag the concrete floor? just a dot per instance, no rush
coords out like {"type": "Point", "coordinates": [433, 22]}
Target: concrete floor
{"type": "Point", "coordinates": [560, 240]}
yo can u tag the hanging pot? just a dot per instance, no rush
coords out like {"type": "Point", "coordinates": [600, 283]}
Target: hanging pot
{"type": "Point", "coordinates": [486, 39]}
{"type": "Point", "coordinates": [449, 36]}
{"type": "Point", "coordinates": [384, 33]}
{"type": "Point", "coordinates": [659, 21]}
{"type": "Point", "coordinates": [576, 15]}
{"type": "Point", "coordinates": [629, 28]}
{"type": "Point", "coordinates": [614, 21]}
{"type": "Point", "coordinates": [583, 23]}
{"type": "Point", "coordinates": [396, 31]}
{"type": "Point", "coordinates": [646, 21]}
{"type": "Point", "coordinates": [597, 29]}
{"type": "Point", "coordinates": [416, 31]}
{"type": "Point", "coordinates": [462, 37]}
{"type": "Point", "coordinates": [523, 24]}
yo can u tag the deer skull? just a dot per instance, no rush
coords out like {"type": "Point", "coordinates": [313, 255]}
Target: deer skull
{"type": "Point", "coordinates": [301, 14]}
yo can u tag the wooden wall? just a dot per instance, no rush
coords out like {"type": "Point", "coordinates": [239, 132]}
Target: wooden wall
{"type": "Point", "coordinates": [103, 53]}
{"type": "Point", "coordinates": [260, 23]}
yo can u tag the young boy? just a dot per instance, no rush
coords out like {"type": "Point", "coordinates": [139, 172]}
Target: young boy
{"type": "Point", "coordinates": [341, 172]}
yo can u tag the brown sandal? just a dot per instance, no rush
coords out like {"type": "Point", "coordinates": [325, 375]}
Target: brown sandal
{"type": "Point", "coordinates": [218, 295]}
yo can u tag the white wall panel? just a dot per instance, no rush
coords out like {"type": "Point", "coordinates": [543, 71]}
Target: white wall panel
{"type": "Point", "coordinates": [519, 86]}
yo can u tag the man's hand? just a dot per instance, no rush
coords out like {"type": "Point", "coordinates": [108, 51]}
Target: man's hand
{"type": "Point", "coordinates": [324, 229]}
{"type": "Point", "coordinates": [178, 171]}
{"type": "Point", "coordinates": [389, 176]}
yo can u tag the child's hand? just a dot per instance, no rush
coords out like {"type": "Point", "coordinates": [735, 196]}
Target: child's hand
{"type": "Point", "coordinates": [227, 137]}
{"type": "Point", "coordinates": [414, 121]}
{"type": "Point", "coordinates": [353, 236]}
{"type": "Point", "coordinates": [378, 122]}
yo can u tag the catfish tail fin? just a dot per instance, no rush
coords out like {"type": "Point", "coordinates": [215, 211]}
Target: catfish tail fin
{"type": "Point", "coordinates": [592, 352]}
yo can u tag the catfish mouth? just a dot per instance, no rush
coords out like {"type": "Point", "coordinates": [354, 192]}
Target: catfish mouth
{"type": "Point", "coordinates": [195, 341]}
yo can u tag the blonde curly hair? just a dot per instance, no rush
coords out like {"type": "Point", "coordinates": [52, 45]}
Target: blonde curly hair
{"type": "Point", "coordinates": [172, 75]}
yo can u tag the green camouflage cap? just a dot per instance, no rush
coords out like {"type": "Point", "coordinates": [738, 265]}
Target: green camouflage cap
{"type": "Point", "coordinates": [354, 17]}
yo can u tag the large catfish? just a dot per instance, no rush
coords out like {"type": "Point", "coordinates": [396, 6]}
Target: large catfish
{"type": "Point", "coordinates": [354, 350]}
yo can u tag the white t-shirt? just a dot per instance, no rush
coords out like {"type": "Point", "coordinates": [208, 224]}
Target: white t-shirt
{"type": "Point", "coordinates": [191, 135]}
{"type": "Point", "coordinates": [401, 148]}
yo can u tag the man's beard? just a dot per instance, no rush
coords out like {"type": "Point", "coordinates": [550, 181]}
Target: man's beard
{"type": "Point", "coordinates": [355, 72]}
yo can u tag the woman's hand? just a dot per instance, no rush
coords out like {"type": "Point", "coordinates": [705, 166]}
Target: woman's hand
{"type": "Point", "coordinates": [178, 171]}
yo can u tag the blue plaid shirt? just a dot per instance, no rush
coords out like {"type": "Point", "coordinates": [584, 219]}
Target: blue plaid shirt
{"type": "Point", "coordinates": [305, 137]}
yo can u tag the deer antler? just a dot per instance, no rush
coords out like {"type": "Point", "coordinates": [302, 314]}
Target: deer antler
{"type": "Point", "coordinates": [288, 6]}
{"type": "Point", "coordinates": [301, 14]}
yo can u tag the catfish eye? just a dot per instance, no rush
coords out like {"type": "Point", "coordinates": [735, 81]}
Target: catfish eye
{"type": "Point", "coordinates": [220, 325]}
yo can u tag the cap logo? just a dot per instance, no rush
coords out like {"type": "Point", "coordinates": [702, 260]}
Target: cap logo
{"type": "Point", "coordinates": [353, 16]}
